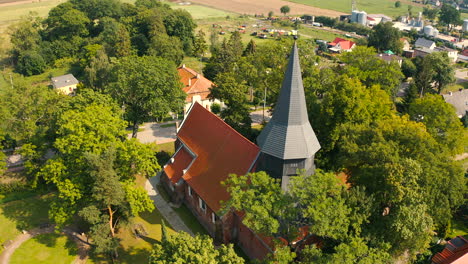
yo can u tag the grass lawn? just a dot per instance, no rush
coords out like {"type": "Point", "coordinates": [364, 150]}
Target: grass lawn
{"type": "Point", "coordinates": [455, 87]}
{"type": "Point", "coordinates": [459, 228]}
{"type": "Point", "coordinates": [168, 147]}
{"type": "Point", "coordinates": [13, 13]}
{"type": "Point", "coordinates": [22, 215]}
{"type": "Point", "coordinates": [46, 248]}
{"type": "Point", "coordinates": [320, 34]}
{"type": "Point", "coordinates": [386, 7]}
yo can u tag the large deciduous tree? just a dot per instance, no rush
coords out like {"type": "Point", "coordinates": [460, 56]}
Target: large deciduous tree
{"type": "Point", "coordinates": [146, 87]}
{"type": "Point", "coordinates": [364, 64]}
{"type": "Point", "coordinates": [385, 37]}
{"type": "Point", "coordinates": [449, 15]}
{"type": "Point", "coordinates": [183, 248]}
{"type": "Point", "coordinates": [441, 121]}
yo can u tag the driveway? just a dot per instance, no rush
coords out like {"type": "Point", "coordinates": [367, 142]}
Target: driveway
{"type": "Point", "coordinates": [461, 75]}
{"type": "Point", "coordinates": [157, 132]}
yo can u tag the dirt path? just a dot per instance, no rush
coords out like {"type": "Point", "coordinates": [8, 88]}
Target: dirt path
{"type": "Point", "coordinates": [265, 6]}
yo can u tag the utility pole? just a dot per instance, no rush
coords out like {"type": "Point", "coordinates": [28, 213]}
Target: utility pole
{"type": "Point", "coordinates": [11, 81]}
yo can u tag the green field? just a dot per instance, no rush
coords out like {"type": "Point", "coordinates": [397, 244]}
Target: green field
{"type": "Point", "coordinates": [46, 249]}
{"type": "Point", "coordinates": [201, 12]}
{"type": "Point", "coordinates": [386, 7]}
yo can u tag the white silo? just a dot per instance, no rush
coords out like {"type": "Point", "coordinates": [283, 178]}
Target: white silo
{"type": "Point", "coordinates": [435, 32]}
{"type": "Point", "coordinates": [465, 25]}
{"type": "Point", "coordinates": [362, 18]}
{"type": "Point", "coordinates": [354, 16]}
{"type": "Point", "coordinates": [428, 30]}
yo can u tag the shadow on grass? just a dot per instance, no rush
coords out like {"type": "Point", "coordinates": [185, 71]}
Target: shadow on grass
{"type": "Point", "coordinates": [50, 240]}
{"type": "Point", "coordinates": [28, 213]}
{"type": "Point", "coordinates": [133, 255]}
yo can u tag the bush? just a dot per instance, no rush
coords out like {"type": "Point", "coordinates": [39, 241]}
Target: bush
{"type": "Point", "coordinates": [326, 21]}
{"type": "Point", "coordinates": [215, 108]}
{"type": "Point", "coordinates": [397, 4]}
{"type": "Point", "coordinates": [31, 63]}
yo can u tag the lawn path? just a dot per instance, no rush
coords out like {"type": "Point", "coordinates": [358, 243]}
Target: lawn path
{"type": "Point", "coordinates": [20, 239]}
{"type": "Point", "coordinates": [164, 208]}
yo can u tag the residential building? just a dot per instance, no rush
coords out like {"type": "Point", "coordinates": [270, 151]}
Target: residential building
{"type": "Point", "coordinates": [406, 44]}
{"type": "Point", "coordinates": [422, 52]}
{"type": "Point", "coordinates": [197, 88]}
{"type": "Point", "coordinates": [455, 252]}
{"type": "Point", "coordinates": [425, 43]}
{"type": "Point", "coordinates": [209, 150]}
{"type": "Point", "coordinates": [339, 45]}
{"type": "Point", "coordinates": [65, 84]}
{"type": "Point", "coordinates": [391, 57]}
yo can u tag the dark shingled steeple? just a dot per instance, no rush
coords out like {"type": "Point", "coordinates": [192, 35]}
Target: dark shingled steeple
{"type": "Point", "coordinates": [288, 141]}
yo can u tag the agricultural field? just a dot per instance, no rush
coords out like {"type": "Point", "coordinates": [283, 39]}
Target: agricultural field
{"type": "Point", "coordinates": [386, 7]}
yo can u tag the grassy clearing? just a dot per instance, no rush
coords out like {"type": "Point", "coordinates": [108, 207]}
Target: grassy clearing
{"type": "Point", "coordinates": [320, 34]}
{"type": "Point", "coordinates": [13, 13]}
{"type": "Point", "coordinates": [455, 87]}
{"type": "Point", "coordinates": [22, 215]}
{"type": "Point", "coordinates": [459, 228]}
{"type": "Point", "coordinates": [168, 147]}
{"type": "Point", "coordinates": [386, 7]}
{"type": "Point", "coordinates": [46, 248]}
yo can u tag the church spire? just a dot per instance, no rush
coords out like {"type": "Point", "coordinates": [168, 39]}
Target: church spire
{"type": "Point", "coordinates": [288, 141]}
{"type": "Point", "coordinates": [289, 134]}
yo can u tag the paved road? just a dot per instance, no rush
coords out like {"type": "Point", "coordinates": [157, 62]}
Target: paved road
{"type": "Point", "coordinates": [461, 75]}
{"type": "Point", "coordinates": [163, 207]}
{"type": "Point", "coordinates": [163, 132]}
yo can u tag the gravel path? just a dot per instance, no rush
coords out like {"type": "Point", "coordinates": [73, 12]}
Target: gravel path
{"type": "Point", "coordinates": [163, 207]}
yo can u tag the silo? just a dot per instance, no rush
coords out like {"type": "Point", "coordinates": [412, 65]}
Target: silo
{"type": "Point", "coordinates": [465, 25]}
{"type": "Point", "coordinates": [354, 16]}
{"type": "Point", "coordinates": [435, 32]}
{"type": "Point", "coordinates": [362, 18]}
{"type": "Point", "coordinates": [428, 30]}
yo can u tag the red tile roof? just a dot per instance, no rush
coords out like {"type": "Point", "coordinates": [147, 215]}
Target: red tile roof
{"type": "Point", "coordinates": [344, 44]}
{"type": "Point", "coordinates": [179, 162]}
{"type": "Point", "coordinates": [456, 251]}
{"type": "Point", "coordinates": [220, 151]}
{"type": "Point", "coordinates": [194, 83]}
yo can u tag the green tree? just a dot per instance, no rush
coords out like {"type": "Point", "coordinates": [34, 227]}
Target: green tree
{"type": "Point", "coordinates": [87, 174]}
{"type": "Point", "coordinates": [64, 22]}
{"type": "Point", "coordinates": [234, 95]}
{"type": "Point", "coordinates": [386, 37]}
{"type": "Point", "coordinates": [349, 102]}
{"type": "Point", "coordinates": [98, 73]}
{"type": "Point", "coordinates": [430, 13]}
{"type": "Point", "coordinates": [97, 9]}
{"type": "Point", "coordinates": [285, 9]}
{"type": "Point", "coordinates": [183, 248]}
{"type": "Point", "coordinates": [179, 23]}
{"type": "Point", "coordinates": [363, 64]}
{"type": "Point", "coordinates": [408, 68]}
{"type": "Point", "coordinates": [397, 4]}
{"type": "Point", "coordinates": [270, 14]}
{"type": "Point", "coordinates": [441, 121]}
{"type": "Point", "coordinates": [24, 35]}
{"type": "Point", "coordinates": [449, 15]}
{"type": "Point", "coordinates": [318, 202]}
{"type": "Point", "coordinates": [146, 87]}
{"type": "Point", "coordinates": [116, 38]}
{"type": "Point", "coordinates": [30, 63]}
{"type": "Point", "coordinates": [442, 69]}
{"type": "Point", "coordinates": [199, 45]}
{"type": "Point", "coordinates": [415, 183]}
{"type": "Point", "coordinates": [166, 47]}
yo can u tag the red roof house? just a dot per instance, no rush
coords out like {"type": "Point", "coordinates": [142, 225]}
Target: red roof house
{"type": "Point", "coordinates": [455, 252]}
{"type": "Point", "coordinates": [339, 45]}
{"type": "Point", "coordinates": [196, 86]}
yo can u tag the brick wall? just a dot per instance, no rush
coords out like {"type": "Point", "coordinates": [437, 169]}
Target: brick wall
{"type": "Point", "coordinates": [203, 216]}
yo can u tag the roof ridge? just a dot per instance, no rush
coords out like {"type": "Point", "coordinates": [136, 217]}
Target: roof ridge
{"type": "Point", "coordinates": [225, 124]}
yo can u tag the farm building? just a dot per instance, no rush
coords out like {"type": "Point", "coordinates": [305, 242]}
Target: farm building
{"type": "Point", "coordinates": [65, 84]}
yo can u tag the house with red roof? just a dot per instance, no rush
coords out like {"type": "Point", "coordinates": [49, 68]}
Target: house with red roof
{"type": "Point", "coordinates": [339, 45]}
{"type": "Point", "coordinates": [197, 88]}
{"type": "Point", "coordinates": [455, 252]}
{"type": "Point", "coordinates": [208, 150]}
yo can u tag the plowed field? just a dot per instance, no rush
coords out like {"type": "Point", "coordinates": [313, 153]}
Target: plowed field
{"type": "Point", "coordinates": [264, 6]}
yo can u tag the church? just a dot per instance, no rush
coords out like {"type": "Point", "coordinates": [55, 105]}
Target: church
{"type": "Point", "coordinates": [208, 150]}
